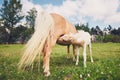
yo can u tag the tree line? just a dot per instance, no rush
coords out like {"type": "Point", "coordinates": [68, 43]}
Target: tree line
{"type": "Point", "coordinates": [108, 34]}
{"type": "Point", "coordinates": [12, 30]}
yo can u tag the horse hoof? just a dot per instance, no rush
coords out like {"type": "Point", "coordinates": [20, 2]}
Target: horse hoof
{"type": "Point", "coordinates": [47, 74]}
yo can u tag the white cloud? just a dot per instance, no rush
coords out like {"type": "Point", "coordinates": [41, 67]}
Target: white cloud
{"type": "Point", "coordinates": [68, 8]}
{"type": "Point", "coordinates": [27, 5]}
{"type": "Point", "coordinates": [113, 19]}
{"type": "Point", "coordinates": [99, 9]}
{"type": "Point", "coordinates": [78, 10]}
{"type": "Point", "coordinates": [103, 10]}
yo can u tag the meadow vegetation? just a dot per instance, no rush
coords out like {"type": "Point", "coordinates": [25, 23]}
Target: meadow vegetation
{"type": "Point", "coordinates": [106, 64]}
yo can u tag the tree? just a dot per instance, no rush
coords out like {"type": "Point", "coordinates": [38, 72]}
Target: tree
{"type": "Point", "coordinates": [3, 35]}
{"type": "Point", "coordinates": [10, 13]}
{"type": "Point", "coordinates": [21, 34]}
{"type": "Point", "coordinates": [109, 27]}
{"type": "Point", "coordinates": [93, 31]}
{"type": "Point", "coordinates": [84, 27]}
{"type": "Point", "coordinates": [99, 31]}
{"type": "Point", "coordinates": [116, 31]}
{"type": "Point", "coordinates": [30, 18]}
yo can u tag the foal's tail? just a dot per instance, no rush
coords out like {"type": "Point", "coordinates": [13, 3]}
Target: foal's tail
{"type": "Point", "coordinates": [44, 25]}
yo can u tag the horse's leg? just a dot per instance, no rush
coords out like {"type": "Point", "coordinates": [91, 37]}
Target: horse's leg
{"type": "Point", "coordinates": [46, 57]}
{"type": "Point", "coordinates": [46, 61]}
{"type": "Point", "coordinates": [84, 55]}
{"type": "Point", "coordinates": [77, 48]}
{"type": "Point", "coordinates": [68, 51]}
{"type": "Point", "coordinates": [90, 51]}
{"type": "Point", "coordinates": [74, 52]}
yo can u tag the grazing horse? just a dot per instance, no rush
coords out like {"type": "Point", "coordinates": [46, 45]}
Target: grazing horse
{"type": "Point", "coordinates": [80, 39]}
{"type": "Point", "coordinates": [48, 30]}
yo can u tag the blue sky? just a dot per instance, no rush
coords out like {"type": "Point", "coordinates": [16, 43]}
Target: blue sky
{"type": "Point", "coordinates": [95, 12]}
{"type": "Point", "coordinates": [43, 2]}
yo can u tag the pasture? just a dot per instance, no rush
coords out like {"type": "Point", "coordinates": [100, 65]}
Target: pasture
{"type": "Point", "coordinates": [106, 64]}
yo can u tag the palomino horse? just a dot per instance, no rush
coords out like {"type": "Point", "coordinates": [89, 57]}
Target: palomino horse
{"type": "Point", "coordinates": [48, 29]}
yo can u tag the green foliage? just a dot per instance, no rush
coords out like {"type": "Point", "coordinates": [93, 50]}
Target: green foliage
{"type": "Point", "coordinates": [30, 18]}
{"type": "Point", "coordinates": [105, 67]}
{"type": "Point", "coordinates": [111, 38]}
{"type": "Point", "coordinates": [84, 27]}
{"type": "Point", "coordinates": [3, 35]}
{"type": "Point", "coordinates": [26, 34]}
{"type": "Point", "coordinates": [16, 33]}
{"type": "Point", "coordinates": [109, 27]}
{"type": "Point", "coordinates": [99, 38]}
{"type": "Point", "coordinates": [10, 13]}
{"type": "Point", "coordinates": [21, 34]}
{"type": "Point", "coordinates": [93, 31]}
{"type": "Point", "coordinates": [116, 31]}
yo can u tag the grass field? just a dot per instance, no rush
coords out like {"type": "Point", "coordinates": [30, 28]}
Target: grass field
{"type": "Point", "coordinates": [106, 64]}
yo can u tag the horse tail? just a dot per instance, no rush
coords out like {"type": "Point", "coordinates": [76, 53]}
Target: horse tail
{"type": "Point", "coordinates": [44, 26]}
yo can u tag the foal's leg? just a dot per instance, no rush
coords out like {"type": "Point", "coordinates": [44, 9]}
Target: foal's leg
{"type": "Point", "coordinates": [68, 51]}
{"type": "Point", "coordinates": [84, 55]}
{"type": "Point", "coordinates": [90, 52]}
{"type": "Point", "coordinates": [77, 48]}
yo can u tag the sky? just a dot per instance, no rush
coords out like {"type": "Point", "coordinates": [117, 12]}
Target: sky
{"type": "Point", "coordinates": [94, 12]}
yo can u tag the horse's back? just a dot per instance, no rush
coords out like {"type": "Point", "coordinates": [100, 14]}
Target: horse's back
{"type": "Point", "coordinates": [62, 25]}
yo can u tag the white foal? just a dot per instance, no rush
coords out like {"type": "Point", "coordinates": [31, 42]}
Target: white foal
{"type": "Point", "coordinates": [80, 39]}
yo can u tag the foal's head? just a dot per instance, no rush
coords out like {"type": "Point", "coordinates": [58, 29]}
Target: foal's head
{"type": "Point", "coordinates": [67, 37]}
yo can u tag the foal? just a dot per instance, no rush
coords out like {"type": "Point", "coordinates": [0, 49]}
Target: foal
{"type": "Point", "coordinates": [80, 39]}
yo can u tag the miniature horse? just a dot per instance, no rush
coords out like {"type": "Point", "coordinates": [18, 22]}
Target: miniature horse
{"type": "Point", "coordinates": [48, 30]}
{"type": "Point", "coordinates": [80, 39]}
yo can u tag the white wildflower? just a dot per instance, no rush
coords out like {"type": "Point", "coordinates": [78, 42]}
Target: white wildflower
{"type": "Point", "coordinates": [102, 73]}
{"type": "Point", "coordinates": [80, 75]}
{"type": "Point", "coordinates": [88, 75]}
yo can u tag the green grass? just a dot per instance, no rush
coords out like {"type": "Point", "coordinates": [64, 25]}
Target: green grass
{"type": "Point", "coordinates": [106, 64]}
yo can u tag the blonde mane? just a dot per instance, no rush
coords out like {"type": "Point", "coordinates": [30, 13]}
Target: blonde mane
{"type": "Point", "coordinates": [44, 26]}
